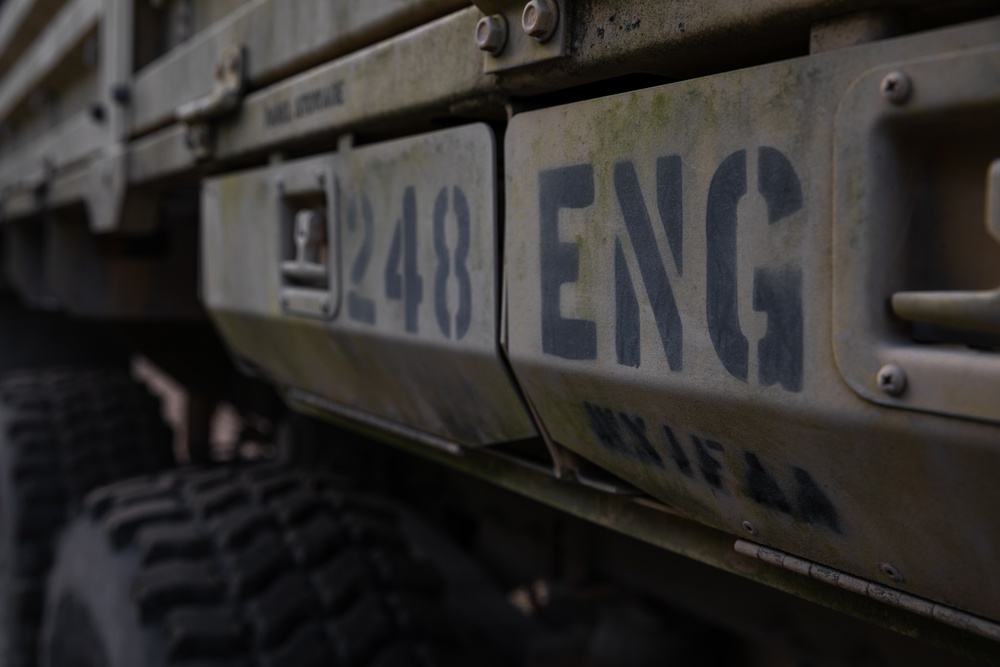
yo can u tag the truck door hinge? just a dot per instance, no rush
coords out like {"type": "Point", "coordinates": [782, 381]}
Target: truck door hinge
{"type": "Point", "coordinates": [224, 100]}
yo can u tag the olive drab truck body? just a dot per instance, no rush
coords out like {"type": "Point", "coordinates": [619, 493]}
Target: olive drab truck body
{"type": "Point", "coordinates": [719, 276]}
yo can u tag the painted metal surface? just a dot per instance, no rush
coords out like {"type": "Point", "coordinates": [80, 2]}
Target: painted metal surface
{"type": "Point", "coordinates": [671, 318]}
{"type": "Point", "coordinates": [283, 37]}
{"type": "Point", "coordinates": [714, 208]}
{"type": "Point", "coordinates": [61, 34]}
{"type": "Point", "coordinates": [909, 211]}
{"type": "Point", "coordinates": [413, 227]}
{"type": "Point", "coordinates": [870, 589]}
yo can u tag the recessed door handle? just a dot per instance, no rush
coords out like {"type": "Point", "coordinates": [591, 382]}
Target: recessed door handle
{"type": "Point", "coordinates": [972, 310]}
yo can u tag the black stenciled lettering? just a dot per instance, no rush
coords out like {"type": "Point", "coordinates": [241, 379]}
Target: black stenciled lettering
{"type": "Point", "coordinates": [729, 184]}
{"type": "Point", "coordinates": [565, 187]}
{"type": "Point", "coordinates": [627, 350]}
{"type": "Point", "coordinates": [761, 487]}
{"type": "Point", "coordinates": [670, 204]}
{"type": "Point", "coordinates": [408, 284]}
{"type": "Point", "coordinates": [414, 284]}
{"type": "Point", "coordinates": [644, 448]}
{"type": "Point", "coordinates": [359, 308]}
{"type": "Point", "coordinates": [777, 291]}
{"type": "Point", "coordinates": [778, 183]}
{"type": "Point", "coordinates": [319, 99]}
{"type": "Point", "coordinates": [677, 453]}
{"type": "Point", "coordinates": [814, 506]}
{"type": "Point", "coordinates": [654, 275]}
{"type": "Point", "coordinates": [606, 427]}
{"type": "Point", "coordinates": [278, 113]}
{"type": "Point", "coordinates": [463, 317]}
{"type": "Point", "coordinates": [708, 465]}
{"type": "Point", "coordinates": [393, 277]}
{"type": "Point", "coordinates": [443, 264]}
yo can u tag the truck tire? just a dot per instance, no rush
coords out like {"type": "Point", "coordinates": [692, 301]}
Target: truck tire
{"type": "Point", "coordinates": [221, 566]}
{"type": "Point", "coordinates": [62, 433]}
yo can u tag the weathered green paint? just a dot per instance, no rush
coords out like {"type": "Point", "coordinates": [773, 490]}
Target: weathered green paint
{"type": "Point", "coordinates": [890, 475]}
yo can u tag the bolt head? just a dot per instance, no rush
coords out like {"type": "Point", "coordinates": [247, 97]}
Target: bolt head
{"type": "Point", "coordinates": [896, 87]}
{"type": "Point", "coordinates": [891, 379]}
{"type": "Point", "coordinates": [540, 18]}
{"type": "Point", "coordinates": [890, 571]}
{"type": "Point", "coordinates": [97, 112]}
{"type": "Point", "coordinates": [193, 137]}
{"type": "Point", "coordinates": [491, 34]}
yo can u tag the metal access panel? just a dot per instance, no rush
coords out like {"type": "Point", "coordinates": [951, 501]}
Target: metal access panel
{"type": "Point", "coordinates": [678, 260]}
{"type": "Point", "coordinates": [368, 280]}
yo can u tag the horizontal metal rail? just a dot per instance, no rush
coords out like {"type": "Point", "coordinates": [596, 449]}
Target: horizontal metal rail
{"type": "Point", "coordinates": [72, 141]}
{"type": "Point", "coordinates": [649, 522]}
{"type": "Point", "coordinates": [282, 38]}
{"type": "Point", "coordinates": [890, 596]}
{"type": "Point", "coordinates": [332, 99]}
{"type": "Point", "coordinates": [65, 32]}
{"type": "Point", "coordinates": [20, 22]}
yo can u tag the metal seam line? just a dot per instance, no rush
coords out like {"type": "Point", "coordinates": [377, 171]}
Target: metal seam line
{"type": "Point", "coordinates": [890, 596]}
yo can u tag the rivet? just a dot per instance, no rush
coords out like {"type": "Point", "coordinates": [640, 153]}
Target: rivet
{"type": "Point", "coordinates": [749, 527]}
{"type": "Point", "coordinates": [540, 18]}
{"type": "Point", "coordinates": [891, 379]}
{"type": "Point", "coordinates": [491, 34]}
{"type": "Point", "coordinates": [97, 113]}
{"type": "Point", "coordinates": [890, 571]}
{"type": "Point", "coordinates": [121, 93]}
{"type": "Point", "coordinates": [896, 87]}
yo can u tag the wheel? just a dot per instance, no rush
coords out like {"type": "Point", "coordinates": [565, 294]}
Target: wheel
{"type": "Point", "coordinates": [62, 433]}
{"type": "Point", "coordinates": [262, 566]}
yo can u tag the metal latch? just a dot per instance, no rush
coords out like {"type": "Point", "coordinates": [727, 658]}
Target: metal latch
{"type": "Point", "coordinates": [310, 264]}
{"type": "Point", "coordinates": [224, 100]}
{"type": "Point", "coordinates": [967, 310]}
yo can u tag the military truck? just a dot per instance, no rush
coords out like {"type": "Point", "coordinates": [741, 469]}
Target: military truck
{"type": "Point", "coordinates": [560, 332]}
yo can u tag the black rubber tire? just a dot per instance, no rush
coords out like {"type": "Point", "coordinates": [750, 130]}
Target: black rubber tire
{"type": "Point", "coordinates": [261, 566]}
{"type": "Point", "coordinates": [62, 434]}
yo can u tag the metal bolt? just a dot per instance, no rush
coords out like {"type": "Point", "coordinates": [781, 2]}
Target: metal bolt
{"type": "Point", "coordinates": [491, 34]}
{"type": "Point", "coordinates": [896, 87]}
{"type": "Point", "coordinates": [121, 93]}
{"type": "Point", "coordinates": [540, 18]}
{"type": "Point", "coordinates": [890, 571]}
{"type": "Point", "coordinates": [749, 527]}
{"type": "Point", "coordinates": [193, 137]}
{"type": "Point", "coordinates": [97, 113]}
{"type": "Point", "coordinates": [891, 379]}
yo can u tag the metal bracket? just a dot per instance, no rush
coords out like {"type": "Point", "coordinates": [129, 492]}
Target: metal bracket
{"type": "Point", "coordinates": [519, 48]}
{"type": "Point", "coordinates": [224, 100]}
{"type": "Point", "coordinates": [112, 205]}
